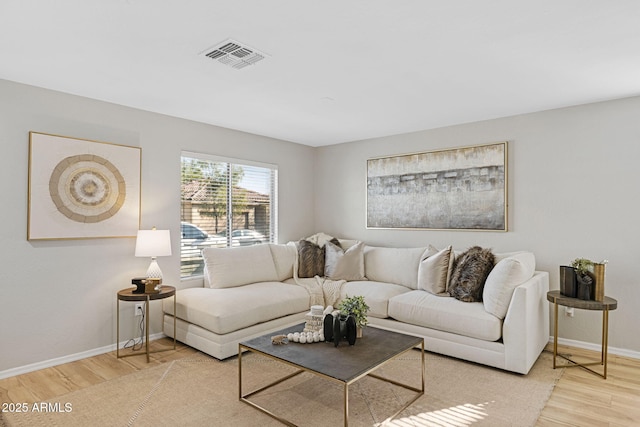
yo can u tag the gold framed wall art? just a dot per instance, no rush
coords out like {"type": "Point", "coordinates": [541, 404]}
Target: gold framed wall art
{"type": "Point", "coordinates": [81, 189]}
{"type": "Point", "coordinates": [454, 189]}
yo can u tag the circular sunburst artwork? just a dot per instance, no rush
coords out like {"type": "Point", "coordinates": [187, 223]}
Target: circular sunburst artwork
{"type": "Point", "coordinates": [87, 188]}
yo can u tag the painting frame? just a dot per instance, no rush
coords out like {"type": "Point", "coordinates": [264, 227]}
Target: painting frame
{"type": "Point", "coordinates": [462, 188]}
{"type": "Point", "coordinates": [82, 189]}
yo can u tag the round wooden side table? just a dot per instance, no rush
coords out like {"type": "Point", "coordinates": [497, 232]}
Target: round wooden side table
{"type": "Point", "coordinates": [605, 306]}
{"type": "Point", "coordinates": [128, 295]}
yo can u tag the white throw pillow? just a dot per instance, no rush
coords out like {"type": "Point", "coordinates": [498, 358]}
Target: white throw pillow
{"type": "Point", "coordinates": [344, 265]}
{"type": "Point", "coordinates": [319, 239]}
{"type": "Point", "coordinates": [434, 270]}
{"type": "Point", "coordinates": [231, 267]}
{"type": "Point", "coordinates": [393, 265]}
{"type": "Point", "coordinates": [506, 275]}
{"type": "Point", "coordinates": [284, 257]}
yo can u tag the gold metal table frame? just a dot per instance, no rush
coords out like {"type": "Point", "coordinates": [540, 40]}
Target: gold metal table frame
{"type": "Point", "coordinates": [244, 397]}
{"type": "Point", "coordinates": [128, 295]}
{"type": "Point", "coordinates": [605, 306]}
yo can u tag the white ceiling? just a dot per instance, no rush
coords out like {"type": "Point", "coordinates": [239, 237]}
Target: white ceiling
{"type": "Point", "coordinates": [337, 71]}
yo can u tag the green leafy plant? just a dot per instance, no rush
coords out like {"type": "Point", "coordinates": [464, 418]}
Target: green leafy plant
{"type": "Point", "coordinates": [582, 265]}
{"type": "Point", "coordinates": [356, 307]}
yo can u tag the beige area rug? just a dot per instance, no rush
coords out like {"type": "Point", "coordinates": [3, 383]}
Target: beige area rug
{"type": "Point", "coordinates": [202, 391]}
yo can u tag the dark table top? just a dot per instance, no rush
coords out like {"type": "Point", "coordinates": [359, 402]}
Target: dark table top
{"type": "Point", "coordinates": [606, 304]}
{"type": "Point", "coordinates": [345, 363]}
{"type": "Point", "coordinates": [128, 295]}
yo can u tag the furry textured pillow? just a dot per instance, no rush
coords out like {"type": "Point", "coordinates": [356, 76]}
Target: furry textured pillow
{"type": "Point", "coordinates": [311, 258]}
{"type": "Point", "coordinates": [470, 271]}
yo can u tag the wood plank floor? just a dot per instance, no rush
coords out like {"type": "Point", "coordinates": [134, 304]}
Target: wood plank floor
{"type": "Point", "coordinates": [53, 382]}
{"type": "Point", "coordinates": [579, 399]}
{"type": "Point", "coordinates": [583, 399]}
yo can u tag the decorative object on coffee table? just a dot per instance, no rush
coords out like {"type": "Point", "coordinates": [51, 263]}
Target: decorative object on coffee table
{"type": "Point", "coordinates": [313, 328]}
{"type": "Point", "coordinates": [344, 326]}
{"type": "Point", "coordinates": [338, 326]}
{"type": "Point", "coordinates": [279, 339]}
{"type": "Point", "coordinates": [313, 320]}
{"type": "Point", "coordinates": [305, 337]}
{"type": "Point", "coordinates": [358, 308]}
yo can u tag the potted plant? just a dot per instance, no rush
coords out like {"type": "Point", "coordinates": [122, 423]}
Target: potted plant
{"type": "Point", "coordinates": [356, 307]}
{"type": "Point", "coordinates": [584, 277]}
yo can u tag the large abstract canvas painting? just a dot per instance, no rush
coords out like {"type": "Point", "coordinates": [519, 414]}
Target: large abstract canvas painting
{"type": "Point", "coordinates": [82, 189]}
{"type": "Point", "coordinates": [455, 189]}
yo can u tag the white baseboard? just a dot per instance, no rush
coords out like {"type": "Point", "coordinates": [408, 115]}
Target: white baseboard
{"type": "Point", "coordinates": [597, 347]}
{"type": "Point", "coordinates": [66, 359]}
{"type": "Point", "coordinates": [96, 351]}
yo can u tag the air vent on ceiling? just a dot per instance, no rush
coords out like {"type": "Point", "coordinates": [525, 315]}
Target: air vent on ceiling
{"type": "Point", "coordinates": [234, 54]}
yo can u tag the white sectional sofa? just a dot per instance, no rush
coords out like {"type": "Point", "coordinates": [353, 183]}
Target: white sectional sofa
{"type": "Point", "coordinates": [250, 291]}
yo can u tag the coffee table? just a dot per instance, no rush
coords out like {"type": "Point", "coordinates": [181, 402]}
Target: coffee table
{"type": "Point", "coordinates": [344, 364]}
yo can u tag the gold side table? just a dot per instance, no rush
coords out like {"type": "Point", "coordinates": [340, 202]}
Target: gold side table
{"type": "Point", "coordinates": [605, 306]}
{"type": "Point", "coordinates": [128, 295]}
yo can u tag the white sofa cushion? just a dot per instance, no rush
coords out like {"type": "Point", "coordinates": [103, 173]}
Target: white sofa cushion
{"type": "Point", "coordinates": [434, 270]}
{"type": "Point", "coordinates": [445, 314]}
{"type": "Point", "coordinates": [230, 267]}
{"type": "Point", "coordinates": [510, 271]}
{"type": "Point", "coordinates": [393, 265]}
{"type": "Point", "coordinates": [376, 295]}
{"type": "Point", "coordinates": [226, 310]}
{"type": "Point", "coordinates": [284, 257]}
{"type": "Point", "coordinates": [344, 265]}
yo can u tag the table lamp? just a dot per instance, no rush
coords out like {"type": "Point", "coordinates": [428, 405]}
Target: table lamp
{"type": "Point", "coordinates": [153, 243]}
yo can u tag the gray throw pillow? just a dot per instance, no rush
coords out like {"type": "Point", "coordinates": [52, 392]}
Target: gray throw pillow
{"type": "Point", "coordinates": [344, 265]}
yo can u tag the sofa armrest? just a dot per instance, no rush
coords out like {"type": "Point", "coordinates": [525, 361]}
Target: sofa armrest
{"type": "Point", "coordinates": [525, 331]}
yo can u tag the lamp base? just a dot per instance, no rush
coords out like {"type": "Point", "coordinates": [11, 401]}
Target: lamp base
{"type": "Point", "coordinates": [154, 272]}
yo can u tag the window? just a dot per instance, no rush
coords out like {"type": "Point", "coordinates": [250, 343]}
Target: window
{"type": "Point", "coordinates": [224, 202]}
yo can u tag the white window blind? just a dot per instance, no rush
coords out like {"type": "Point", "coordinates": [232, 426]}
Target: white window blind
{"type": "Point", "coordinates": [224, 202]}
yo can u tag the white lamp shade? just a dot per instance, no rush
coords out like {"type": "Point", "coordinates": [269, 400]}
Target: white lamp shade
{"type": "Point", "coordinates": [153, 243]}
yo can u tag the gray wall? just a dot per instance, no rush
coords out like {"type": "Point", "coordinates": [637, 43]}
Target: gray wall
{"type": "Point", "coordinates": [573, 192]}
{"type": "Point", "coordinates": [58, 298]}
